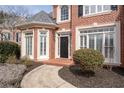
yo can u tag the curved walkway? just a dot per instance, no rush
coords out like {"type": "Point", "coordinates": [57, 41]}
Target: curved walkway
{"type": "Point", "coordinates": [45, 76]}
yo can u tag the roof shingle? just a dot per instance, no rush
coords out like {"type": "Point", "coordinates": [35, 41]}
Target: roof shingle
{"type": "Point", "coordinates": [41, 17]}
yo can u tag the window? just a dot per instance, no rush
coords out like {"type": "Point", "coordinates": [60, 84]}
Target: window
{"type": "Point", "coordinates": [28, 37]}
{"type": "Point", "coordinates": [109, 45]}
{"type": "Point", "coordinates": [18, 37]}
{"type": "Point", "coordinates": [83, 40]}
{"type": "Point", "coordinates": [6, 36]}
{"type": "Point", "coordinates": [101, 39]}
{"type": "Point", "coordinates": [99, 42]}
{"type": "Point", "coordinates": [94, 9]}
{"type": "Point", "coordinates": [43, 43]}
{"type": "Point", "coordinates": [106, 7]}
{"type": "Point", "coordinates": [64, 12]}
{"type": "Point", "coordinates": [80, 10]}
{"type": "Point", "coordinates": [91, 41]}
{"type": "Point", "coordinates": [99, 8]}
{"type": "Point", "coordinates": [86, 9]}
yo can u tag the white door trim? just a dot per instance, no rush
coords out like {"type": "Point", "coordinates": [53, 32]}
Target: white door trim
{"type": "Point", "coordinates": [57, 46]}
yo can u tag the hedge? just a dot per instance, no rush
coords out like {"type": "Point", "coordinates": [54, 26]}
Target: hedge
{"type": "Point", "coordinates": [8, 48]}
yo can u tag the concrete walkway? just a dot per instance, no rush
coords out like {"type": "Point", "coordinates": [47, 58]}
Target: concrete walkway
{"type": "Point", "coordinates": [45, 76]}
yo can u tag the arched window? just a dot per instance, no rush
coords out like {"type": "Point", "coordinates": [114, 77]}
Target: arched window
{"type": "Point", "coordinates": [64, 12]}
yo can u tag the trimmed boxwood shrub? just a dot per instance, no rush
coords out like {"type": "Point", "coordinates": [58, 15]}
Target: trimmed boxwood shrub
{"type": "Point", "coordinates": [7, 49]}
{"type": "Point", "coordinates": [88, 59]}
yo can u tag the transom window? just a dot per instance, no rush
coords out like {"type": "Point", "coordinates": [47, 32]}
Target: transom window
{"type": "Point", "coordinates": [43, 36]}
{"type": "Point", "coordinates": [28, 38]}
{"type": "Point", "coordinates": [101, 39]}
{"type": "Point", "coordinates": [94, 9]}
{"type": "Point", "coordinates": [64, 12]}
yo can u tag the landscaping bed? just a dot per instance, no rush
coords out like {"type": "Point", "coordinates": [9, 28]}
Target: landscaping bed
{"type": "Point", "coordinates": [12, 74]}
{"type": "Point", "coordinates": [103, 78]}
{"type": "Point", "coordinates": [33, 66]}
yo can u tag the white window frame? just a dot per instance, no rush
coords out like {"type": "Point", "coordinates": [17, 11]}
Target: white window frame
{"type": "Point", "coordinates": [96, 9]}
{"type": "Point", "coordinates": [43, 35]}
{"type": "Point", "coordinates": [23, 43]}
{"type": "Point", "coordinates": [59, 14]}
{"type": "Point", "coordinates": [57, 43]}
{"type": "Point", "coordinates": [117, 56]}
{"type": "Point", "coordinates": [30, 53]}
{"type": "Point", "coordinates": [63, 15]}
{"type": "Point", "coordinates": [95, 33]}
{"type": "Point", "coordinates": [39, 56]}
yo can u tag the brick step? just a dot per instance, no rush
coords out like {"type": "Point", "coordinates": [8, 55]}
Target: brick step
{"type": "Point", "coordinates": [59, 62]}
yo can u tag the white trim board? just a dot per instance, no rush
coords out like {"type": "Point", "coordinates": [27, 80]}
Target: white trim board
{"type": "Point", "coordinates": [56, 43]}
{"type": "Point", "coordinates": [39, 57]}
{"type": "Point", "coordinates": [23, 42]}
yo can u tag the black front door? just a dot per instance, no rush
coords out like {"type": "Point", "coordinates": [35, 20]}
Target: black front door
{"type": "Point", "coordinates": [64, 47]}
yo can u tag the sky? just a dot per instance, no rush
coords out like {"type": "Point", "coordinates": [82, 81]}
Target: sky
{"type": "Point", "coordinates": [36, 8]}
{"type": "Point", "coordinates": [33, 9]}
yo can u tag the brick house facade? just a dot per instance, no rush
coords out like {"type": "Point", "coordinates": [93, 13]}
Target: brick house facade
{"type": "Point", "coordinates": [99, 27]}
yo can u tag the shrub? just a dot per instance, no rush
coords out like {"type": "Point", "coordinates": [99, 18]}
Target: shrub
{"type": "Point", "coordinates": [2, 58]}
{"type": "Point", "coordinates": [88, 59]}
{"type": "Point", "coordinates": [7, 49]}
{"type": "Point", "coordinates": [12, 60]}
{"type": "Point", "coordinates": [26, 61]}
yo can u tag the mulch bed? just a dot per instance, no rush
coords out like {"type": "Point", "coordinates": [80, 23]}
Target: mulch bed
{"type": "Point", "coordinates": [33, 66]}
{"type": "Point", "coordinates": [103, 78]}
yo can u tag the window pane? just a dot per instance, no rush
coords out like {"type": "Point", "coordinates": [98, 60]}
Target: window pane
{"type": "Point", "coordinates": [26, 47]}
{"type": "Point", "coordinates": [109, 45]}
{"type": "Point", "coordinates": [84, 41]}
{"type": "Point", "coordinates": [81, 41]}
{"type": "Point", "coordinates": [99, 41]}
{"type": "Point", "coordinates": [41, 45]}
{"type": "Point", "coordinates": [111, 51]}
{"type": "Point", "coordinates": [44, 45]}
{"type": "Point", "coordinates": [86, 9]}
{"type": "Point", "coordinates": [64, 12]}
{"type": "Point", "coordinates": [91, 41]}
{"type": "Point", "coordinates": [93, 8]}
{"type": "Point", "coordinates": [30, 45]}
{"type": "Point", "coordinates": [28, 39]}
{"type": "Point", "coordinates": [106, 7]}
{"type": "Point", "coordinates": [99, 8]}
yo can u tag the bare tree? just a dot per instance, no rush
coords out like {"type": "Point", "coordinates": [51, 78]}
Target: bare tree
{"type": "Point", "coordinates": [12, 16]}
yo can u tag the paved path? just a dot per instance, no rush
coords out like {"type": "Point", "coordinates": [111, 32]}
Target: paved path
{"type": "Point", "coordinates": [45, 76]}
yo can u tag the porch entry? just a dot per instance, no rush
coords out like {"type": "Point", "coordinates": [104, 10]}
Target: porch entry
{"type": "Point", "coordinates": [63, 44]}
{"type": "Point", "coordinates": [64, 47]}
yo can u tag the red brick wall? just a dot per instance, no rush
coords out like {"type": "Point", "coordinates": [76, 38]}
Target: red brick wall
{"type": "Point", "coordinates": [51, 44]}
{"type": "Point", "coordinates": [85, 21]}
{"type": "Point", "coordinates": [54, 13]}
{"type": "Point", "coordinates": [65, 25]}
{"type": "Point", "coordinates": [99, 19]}
{"type": "Point", "coordinates": [35, 44]}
